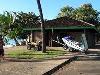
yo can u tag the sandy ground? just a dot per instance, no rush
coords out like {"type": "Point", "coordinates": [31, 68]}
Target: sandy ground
{"type": "Point", "coordinates": [27, 67]}
{"type": "Point", "coordinates": [85, 65]}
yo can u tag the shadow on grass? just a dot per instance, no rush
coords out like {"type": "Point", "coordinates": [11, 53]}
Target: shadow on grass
{"type": "Point", "coordinates": [30, 56]}
{"type": "Point", "coordinates": [33, 60]}
{"type": "Point", "coordinates": [13, 59]}
{"type": "Point", "coordinates": [29, 59]}
{"type": "Point", "coordinates": [48, 52]}
{"type": "Point", "coordinates": [91, 56]}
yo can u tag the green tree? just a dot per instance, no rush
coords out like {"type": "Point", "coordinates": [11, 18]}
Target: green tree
{"type": "Point", "coordinates": [66, 11]}
{"type": "Point", "coordinates": [6, 19]}
{"type": "Point", "coordinates": [86, 13]}
{"type": "Point", "coordinates": [24, 20]}
{"type": "Point", "coordinates": [21, 21]}
{"type": "Point", "coordinates": [12, 24]}
{"type": "Point", "coordinates": [14, 33]}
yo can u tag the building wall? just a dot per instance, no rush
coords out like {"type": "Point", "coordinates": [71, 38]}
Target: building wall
{"type": "Point", "coordinates": [37, 36]}
{"type": "Point", "coordinates": [90, 36]}
{"type": "Point", "coordinates": [76, 34]}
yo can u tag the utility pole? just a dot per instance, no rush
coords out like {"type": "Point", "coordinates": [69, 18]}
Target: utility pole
{"type": "Point", "coordinates": [42, 26]}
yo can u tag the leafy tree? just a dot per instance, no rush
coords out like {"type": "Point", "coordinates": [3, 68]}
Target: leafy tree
{"type": "Point", "coordinates": [21, 21]}
{"type": "Point", "coordinates": [85, 12]}
{"type": "Point", "coordinates": [24, 20]}
{"type": "Point", "coordinates": [12, 24]}
{"type": "Point", "coordinates": [66, 11]}
{"type": "Point", "coordinates": [6, 19]}
{"type": "Point", "coordinates": [14, 33]}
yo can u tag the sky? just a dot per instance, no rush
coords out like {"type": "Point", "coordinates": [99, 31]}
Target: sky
{"type": "Point", "coordinates": [50, 7]}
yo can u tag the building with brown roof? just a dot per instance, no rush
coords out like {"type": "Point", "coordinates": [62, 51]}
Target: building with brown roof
{"type": "Point", "coordinates": [62, 27]}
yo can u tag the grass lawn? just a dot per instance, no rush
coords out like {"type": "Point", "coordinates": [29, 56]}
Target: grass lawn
{"type": "Point", "coordinates": [32, 54]}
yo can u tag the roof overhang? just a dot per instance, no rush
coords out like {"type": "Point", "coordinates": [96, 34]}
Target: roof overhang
{"type": "Point", "coordinates": [60, 28]}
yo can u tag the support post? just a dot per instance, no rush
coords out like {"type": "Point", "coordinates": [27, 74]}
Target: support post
{"type": "Point", "coordinates": [52, 37]}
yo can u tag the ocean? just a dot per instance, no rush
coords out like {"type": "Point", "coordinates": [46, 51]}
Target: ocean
{"type": "Point", "coordinates": [12, 42]}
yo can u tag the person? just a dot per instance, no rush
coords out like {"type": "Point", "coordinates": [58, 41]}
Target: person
{"type": "Point", "coordinates": [1, 48]}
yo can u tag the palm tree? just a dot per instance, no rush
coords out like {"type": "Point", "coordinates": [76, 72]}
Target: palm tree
{"type": "Point", "coordinates": [42, 27]}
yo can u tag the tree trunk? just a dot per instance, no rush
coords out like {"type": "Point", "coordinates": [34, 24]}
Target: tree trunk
{"type": "Point", "coordinates": [42, 27]}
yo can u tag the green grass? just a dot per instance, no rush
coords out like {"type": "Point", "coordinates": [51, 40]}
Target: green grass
{"type": "Point", "coordinates": [31, 54]}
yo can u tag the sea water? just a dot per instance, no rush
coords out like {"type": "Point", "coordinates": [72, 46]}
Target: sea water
{"type": "Point", "coordinates": [10, 42]}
